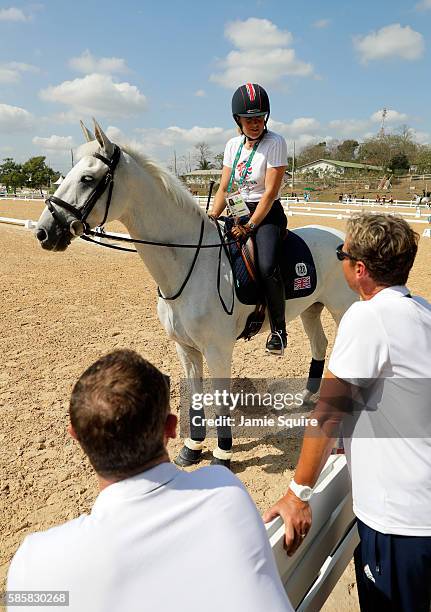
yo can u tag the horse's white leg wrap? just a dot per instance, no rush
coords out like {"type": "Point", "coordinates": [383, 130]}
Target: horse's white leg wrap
{"type": "Point", "coordinates": [192, 445]}
{"type": "Point", "coordinates": [219, 453]}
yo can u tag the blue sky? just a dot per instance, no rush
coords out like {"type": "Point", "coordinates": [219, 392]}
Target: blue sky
{"type": "Point", "coordinates": [160, 75]}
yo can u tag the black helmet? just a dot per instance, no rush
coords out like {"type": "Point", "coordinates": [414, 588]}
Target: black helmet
{"type": "Point", "coordinates": [250, 100]}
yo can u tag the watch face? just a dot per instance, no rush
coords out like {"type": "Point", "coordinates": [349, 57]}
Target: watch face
{"type": "Point", "coordinates": [305, 494]}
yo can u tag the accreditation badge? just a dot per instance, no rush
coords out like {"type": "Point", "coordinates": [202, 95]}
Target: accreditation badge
{"type": "Point", "coordinates": [236, 205]}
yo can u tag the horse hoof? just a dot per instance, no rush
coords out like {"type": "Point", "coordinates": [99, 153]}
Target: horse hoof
{"type": "Point", "coordinates": [224, 462]}
{"type": "Point", "coordinates": [188, 457]}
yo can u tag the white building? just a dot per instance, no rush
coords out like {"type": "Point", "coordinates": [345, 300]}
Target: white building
{"type": "Point", "coordinates": [325, 167]}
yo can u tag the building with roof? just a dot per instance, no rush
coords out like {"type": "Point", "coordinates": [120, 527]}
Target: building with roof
{"type": "Point", "coordinates": [325, 167]}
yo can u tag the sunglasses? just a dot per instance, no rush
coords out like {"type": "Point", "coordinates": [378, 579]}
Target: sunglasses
{"type": "Point", "coordinates": [342, 254]}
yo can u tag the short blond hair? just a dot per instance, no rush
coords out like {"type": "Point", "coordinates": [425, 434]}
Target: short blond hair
{"type": "Point", "coordinates": [385, 243]}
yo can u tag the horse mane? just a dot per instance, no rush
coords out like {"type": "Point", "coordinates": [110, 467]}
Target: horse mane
{"type": "Point", "coordinates": [168, 183]}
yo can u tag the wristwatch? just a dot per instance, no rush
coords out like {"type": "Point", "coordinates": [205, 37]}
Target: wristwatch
{"type": "Point", "coordinates": [302, 491]}
{"type": "Point", "coordinates": [250, 226]}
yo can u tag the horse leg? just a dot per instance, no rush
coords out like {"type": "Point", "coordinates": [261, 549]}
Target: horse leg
{"type": "Point", "coordinates": [192, 362]}
{"type": "Point", "coordinates": [219, 366]}
{"type": "Point", "coordinates": [319, 343]}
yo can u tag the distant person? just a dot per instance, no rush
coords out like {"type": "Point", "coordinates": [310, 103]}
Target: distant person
{"type": "Point", "coordinates": [157, 538]}
{"type": "Point", "coordinates": [340, 197]}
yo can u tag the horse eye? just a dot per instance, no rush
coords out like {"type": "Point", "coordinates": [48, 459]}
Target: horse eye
{"type": "Point", "coordinates": [86, 178]}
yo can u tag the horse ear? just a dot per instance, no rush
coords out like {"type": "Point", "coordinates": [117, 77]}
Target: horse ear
{"type": "Point", "coordinates": [102, 139]}
{"type": "Point", "coordinates": [89, 136]}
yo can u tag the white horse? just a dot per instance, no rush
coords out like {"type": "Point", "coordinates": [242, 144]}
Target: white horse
{"type": "Point", "coordinates": [154, 206]}
{"type": "Point", "coordinates": [426, 200]}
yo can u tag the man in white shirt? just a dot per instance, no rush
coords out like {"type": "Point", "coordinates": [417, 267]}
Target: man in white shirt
{"type": "Point", "coordinates": [378, 386]}
{"type": "Point", "coordinates": [157, 538]}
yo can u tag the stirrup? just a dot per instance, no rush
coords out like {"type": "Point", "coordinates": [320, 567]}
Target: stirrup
{"type": "Point", "coordinates": [279, 335]}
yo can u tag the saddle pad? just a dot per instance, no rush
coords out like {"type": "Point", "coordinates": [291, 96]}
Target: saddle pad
{"type": "Point", "coordinates": [297, 267]}
{"type": "Point", "coordinates": [296, 264]}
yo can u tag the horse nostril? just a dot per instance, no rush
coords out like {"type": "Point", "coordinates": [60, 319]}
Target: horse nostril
{"type": "Point", "coordinates": [41, 235]}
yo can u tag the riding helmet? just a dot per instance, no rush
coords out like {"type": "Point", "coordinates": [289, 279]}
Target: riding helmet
{"type": "Point", "coordinates": [250, 100]}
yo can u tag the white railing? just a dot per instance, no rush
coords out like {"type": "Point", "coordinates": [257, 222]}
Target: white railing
{"type": "Point", "coordinates": [202, 201]}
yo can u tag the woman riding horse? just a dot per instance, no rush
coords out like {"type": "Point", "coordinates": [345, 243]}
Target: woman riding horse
{"type": "Point", "coordinates": [257, 160]}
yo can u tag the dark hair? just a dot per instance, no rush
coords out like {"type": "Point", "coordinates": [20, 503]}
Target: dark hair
{"type": "Point", "coordinates": [385, 243]}
{"type": "Point", "coordinates": [118, 410]}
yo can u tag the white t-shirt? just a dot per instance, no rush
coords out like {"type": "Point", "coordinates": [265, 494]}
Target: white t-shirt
{"type": "Point", "coordinates": [162, 540]}
{"type": "Point", "coordinates": [271, 153]}
{"type": "Point", "coordinates": [383, 346]}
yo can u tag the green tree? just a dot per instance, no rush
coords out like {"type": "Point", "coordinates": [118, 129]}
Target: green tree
{"type": "Point", "coordinates": [345, 151]}
{"type": "Point", "coordinates": [423, 160]}
{"type": "Point", "coordinates": [37, 173]}
{"type": "Point", "coordinates": [379, 150]}
{"type": "Point", "coordinates": [11, 174]}
{"type": "Point", "coordinates": [399, 163]}
{"type": "Point", "coordinates": [312, 153]}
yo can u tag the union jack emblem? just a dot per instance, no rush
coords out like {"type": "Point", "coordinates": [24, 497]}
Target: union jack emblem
{"type": "Point", "coordinates": [302, 283]}
{"type": "Point", "coordinates": [250, 91]}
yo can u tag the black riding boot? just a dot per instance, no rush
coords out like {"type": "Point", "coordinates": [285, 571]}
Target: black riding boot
{"type": "Point", "coordinates": [274, 290]}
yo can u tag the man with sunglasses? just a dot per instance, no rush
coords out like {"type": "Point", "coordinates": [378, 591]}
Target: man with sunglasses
{"type": "Point", "coordinates": [378, 388]}
{"type": "Point", "coordinates": [157, 538]}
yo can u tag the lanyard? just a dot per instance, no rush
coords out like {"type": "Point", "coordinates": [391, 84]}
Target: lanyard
{"type": "Point", "coordinates": [247, 165]}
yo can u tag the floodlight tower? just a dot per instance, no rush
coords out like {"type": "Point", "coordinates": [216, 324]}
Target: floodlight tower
{"type": "Point", "coordinates": [382, 125]}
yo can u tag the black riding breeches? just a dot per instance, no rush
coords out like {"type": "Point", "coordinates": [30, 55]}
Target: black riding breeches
{"type": "Point", "coordinates": [268, 238]}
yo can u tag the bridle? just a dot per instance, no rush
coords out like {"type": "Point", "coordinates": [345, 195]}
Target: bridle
{"type": "Point", "coordinates": [81, 214]}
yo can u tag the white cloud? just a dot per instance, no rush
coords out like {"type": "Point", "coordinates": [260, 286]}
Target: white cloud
{"type": "Point", "coordinates": [13, 14]}
{"type": "Point", "coordinates": [211, 135]}
{"type": "Point", "coordinates": [349, 127]}
{"type": "Point", "coordinates": [99, 95]}
{"type": "Point", "coordinates": [14, 119]}
{"type": "Point", "coordinates": [200, 93]}
{"type": "Point", "coordinates": [299, 126]}
{"type": "Point", "coordinates": [260, 32]}
{"type": "Point", "coordinates": [321, 23]}
{"type": "Point", "coordinates": [54, 143]}
{"type": "Point", "coordinates": [390, 41]}
{"type": "Point", "coordinates": [88, 64]}
{"type": "Point", "coordinates": [262, 55]}
{"type": "Point", "coordinates": [11, 72]}
{"type": "Point", "coordinates": [421, 137]}
{"type": "Point", "coordinates": [392, 116]}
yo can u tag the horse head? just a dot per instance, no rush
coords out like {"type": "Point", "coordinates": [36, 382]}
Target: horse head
{"type": "Point", "coordinates": [83, 200]}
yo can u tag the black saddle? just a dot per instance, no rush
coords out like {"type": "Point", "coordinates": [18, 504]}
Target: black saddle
{"type": "Point", "coordinates": [296, 264]}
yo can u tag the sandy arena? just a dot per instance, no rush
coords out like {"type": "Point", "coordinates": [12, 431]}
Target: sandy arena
{"type": "Point", "coordinates": [60, 312]}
